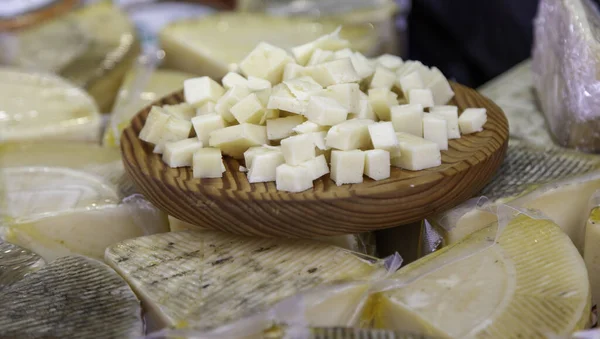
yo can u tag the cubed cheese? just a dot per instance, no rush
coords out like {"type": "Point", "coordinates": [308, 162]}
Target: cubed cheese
{"type": "Point", "coordinates": [320, 56]}
{"type": "Point", "coordinates": [293, 178]}
{"type": "Point", "coordinates": [381, 99]}
{"type": "Point", "coordinates": [284, 100]}
{"type": "Point", "coordinates": [325, 111]}
{"type": "Point", "coordinates": [391, 62]}
{"type": "Point", "coordinates": [317, 167]}
{"type": "Point", "coordinates": [421, 96]}
{"type": "Point", "coordinates": [349, 135]}
{"type": "Point", "coordinates": [383, 78]}
{"type": "Point", "coordinates": [435, 129]}
{"type": "Point", "coordinates": [412, 66]}
{"type": "Point", "coordinates": [377, 164]}
{"type": "Point", "coordinates": [208, 107]}
{"type": "Point", "coordinates": [365, 110]}
{"type": "Point", "coordinates": [155, 123]}
{"type": "Point", "coordinates": [319, 140]}
{"type": "Point", "coordinates": [249, 110]}
{"type": "Point", "coordinates": [410, 81]}
{"type": "Point", "coordinates": [343, 53]}
{"type": "Point", "coordinates": [257, 84]}
{"type": "Point", "coordinates": [282, 127]}
{"type": "Point", "coordinates": [179, 153]}
{"type": "Point", "coordinates": [309, 127]}
{"type": "Point", "coordinates": [347, 167]}
{"type": "Point", "coordinates": [235, 140]}
{"type": "Point", "coordinates": [183, 110]}
{"type": "Point", "coordinates": [233, 79]}
{"type": "Point", "coordinates": [345, 94]}
{"type": "Point", "coordinates": [472, 120]}
{"type": "Point", "coordinates": [266, 61]}
{"type": "Point", "coordinates": [228, 100]}
{"type": "Point", "coordinates": [361, 64]}
{"type": "Point", "coordinates": [439, 86]}
{"type": "Point", "coordinates": [206, 124]}
{"type": "Point", "coordinates": [175, 129]}
{"type": "Point", "coordinates": [253, 151]}
{"type": "Point", "coordinates": [198, 91]}
{"type": "Point", "coordinates": [264, 166]}
{"type": "Point", "coordinates": [416, 153]}
{"type": "Point", "coordinates": [329, 42]}
{"type": "Point", "coordinates": [383, 135]}
{"type": "Point", "coordinates": [408, 119]}
{"type": "Point", "coordinates": [303, 88]}
{"type": "Point", "coordinates": [298, 149]}
{"type": "Point", "coordinates": [450, 113]}
{"type": "Point", "coordinates": [292, 71]}
{"type": "Point", "coordinates": [333, 72]}
{"type": "Point", "coordinates": [207, 163]}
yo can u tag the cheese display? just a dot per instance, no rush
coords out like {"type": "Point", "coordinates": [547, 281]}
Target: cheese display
{"type": "Point", "coordinates": [56, 200]}
{"type": "Point", "coordinates": [39, 106]}
{"type": "Point", "coordinates": [93, 47]}
{"type": "Point", "coordinates": [71, 297]}
{"type": "Point", "coordinates": [205, 279]}
{"type": "Point", "coordinates": [15, 263]}
{"type": "Point", "coordinates": [524, 280]}
{"type": "Point", "coordinates": [317, 115]}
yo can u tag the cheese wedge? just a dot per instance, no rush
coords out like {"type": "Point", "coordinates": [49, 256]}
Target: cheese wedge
{"type": "Point", "coordinates": [205, 279]}
{"type": "Point", "coordinates": [530, 283]}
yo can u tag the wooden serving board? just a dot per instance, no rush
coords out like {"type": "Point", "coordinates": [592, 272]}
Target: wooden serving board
{"type": "Point", "coordinates": [231, 204]}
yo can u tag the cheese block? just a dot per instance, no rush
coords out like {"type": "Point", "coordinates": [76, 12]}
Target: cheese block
{"type": "Point", "coordinates": [215, 44]}
{"type": "Point", "coordinates": [530, 282]}
{"type": "Point", "coordinates": [16, 262]}
{"type": "Point", "coordinates": [591, 253]}
{"type": "Point", "coordinates": [205, 279]}
{"type": "Point", "coordinates": [93, 47]}
{"type": "Point", "coordinates": [39, 106]}
{"type": "Point", "coordinates": [71, 297]}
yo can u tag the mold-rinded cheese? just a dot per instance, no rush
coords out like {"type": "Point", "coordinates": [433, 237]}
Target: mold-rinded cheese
{"type": "Point", "coordinates": [206, 279]}
{"type": "Point", "coordinates": [214, 45]}
{"type": "Point", "coordinates": [408, 119]}
{"type": "Point", "coordinates": [38, 106]}
{"type": "Point", "coordinates": [235, 140]}
{"type": "Point", "coordinates": [93, 47]}
{"type": "Point", "coordinates": [480, 287]}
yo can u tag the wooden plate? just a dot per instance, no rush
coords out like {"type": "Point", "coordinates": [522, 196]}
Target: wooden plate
{"type": "Point", "coordinates": [233, 205]}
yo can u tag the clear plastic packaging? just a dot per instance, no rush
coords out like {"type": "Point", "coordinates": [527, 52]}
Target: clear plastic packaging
{"type": "Point", "coordinates": [16, 262]}
{"type": "Point", "coordinates": [566, 70]}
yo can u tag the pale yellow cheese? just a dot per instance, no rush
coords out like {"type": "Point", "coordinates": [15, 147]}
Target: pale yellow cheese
{"type": "Point", "coordinates": [349, 135]}
{"type": "Point", "coordinates": [383, 135]}
{"type": "Point", "coordinates": [347, 167]}
{"type": "Point", "coordinates": [205, 124]}
{"type": "Point", "coordinates": [293, 178]}
{"type": "Point", "coordinates": [381, 99]}
{"type": "Point", "coordinates": [408, 119]}
{"type": "Point", "coordinates": [416, 153]}
{"type": "Point", "coordinates": [235, 140]}
{"type": "Point", "coordinates": [298, 149]}
{"type": "Point", "coordinates": [472, 120]}
{"type": "Point", "coordinates": [282, 127]}
{"type": "Point", "coordinates": [207, 163]}
{"type": "Point", "coordinates": [377, 164]}
{"type": "Point", "coordinates": [435, 129]}
{"type": "Point", "coordinates": [179, 153]}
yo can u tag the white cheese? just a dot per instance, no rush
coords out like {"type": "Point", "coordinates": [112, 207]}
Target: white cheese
{"type": "Point", "coordinates": [154, 126]}
{"type": "Point", "coordinates": [228, 100]}
{"type": "Point", "coordinates": [365, 110]}
{"type": "Point", "coordinates": [282, 127]}
{"type": "Point", "coordinates": [183, 110]}
{"type": "Point", "coordinates": [349, 135]}
{"type": "Point", "coordinates": [317, 167]}
{"type": "Point", "coordinates": [303, 87]}
{"type": "Point", "coordinates": [347, 167]}
{"type": "Point", "coordinates": [292, 71]}
{"type": "Point", "coordinates": [325, 111]}
{"type": "Point", "coordinates": [252, 152]}
{"type": "Point", "coordinates": [333, 72]}
{"type": "Point", "coordinates": [206, 124]}
{"type": "Point", "coordinates": [293, 178]}
{"type": "Point", "coordinates": [309, 127]}
{"type": "Point", "coordinates": [207, 108]}
{"type": "Point", "coordinates": [345, 94]}
{"type": "Point", "coordinates": [421, 96]}
{"type": "Point", "coordinates": [472, 120]}
{"type": "Point", "coordinates": [233, 79]}
{"type": "Point", "coordinates": [179, 153]}
{"type": "Point", "coordinates": [408, 119]}
{"type": "Point", "coordinates": [329, 42]}
{"type": "Point", "coordinates": [320, 56]}
{"type": "Point", "coordinates": [235, 140]}
{"type": "Point", "coordinates": [383, 78]}
{"type": "Point", "coordinates": [264, 166]}
{"type": "Point", "coordinates": [381, 100]}
{"type": "Point", "coordinates": [198, 91]}
{"type": "Point", "coordinates": [439, 86]}
{"type": "Point", "coordinates": [174, 130]}
{"type": "Point", "coordinates": [284, 100]}
{"type": "Point", "coordinates": [416, 153]}
{"type": "Point", "coordinates": [249, 109]}
{"type": "Point", "coordinates": [383, 135]}
{"type": "Point", "coordinates": [298, 149]}
{"type": "Point", "coordinates": [450, 113]}
{"type": "Point", "coordinates": [266, 61]}
{"type": "Point", "coordinates": [207, 163]}
{"type": "Point", "coordinates": [391, 62]}
{"type": "Point", "coordinates": [377, 164]}
{"type": "Point", "coordinates": [435, 128]}
{"type": "Point", "coordinates": [257, 84]}
{"type": "Point", "coordinates": [410, 81]}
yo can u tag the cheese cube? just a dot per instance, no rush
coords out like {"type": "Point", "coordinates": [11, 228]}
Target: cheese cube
{"type": "Point", "coordinates": [345, 94]}
{"type": "Point", "coordinates": [408, 119]}
{"type": "Point", "coordinates": [228, 100]}
{"type": "Point", "coordinates": [293, 178]}
{"type": "Point", "coordinates": [365, 110]}
{"type": "Point", "coordinates": [207, 108]}
{"type": "Point", "coordinates": [383, 135]}
{"type": "Point", "coordinates": [472, 120]}
{"type": "Point", "coordinates": [377, 164]}
{"type": "Point", "coordinates": [391, 62]}
{"type": "Point", "coordinates": [410, 81]}
{"type": "Point", "coordinates": [174, 130]}
{"type": "Point", "coordinates": [282, 127]}
{"type": "Point", "coordinates": [206, 124]}
{"type": "Point", "coordinates": [347, 167]}
{"type": "Point", "coordinates": [320, 56]}
{"type": "Point", "coordinates": [349, 135]}
{"type": "Point", "coordinates": [198, 91]}
{"type": "Point", "coordinates": [420, 96]}
{"type": "Point", "coordinates": [361, 64]}
{"type": "Point", "coordinates": [183, 110]}
{"type": "Point", "coordinates": [318, 139]}
{"type": "Point", "coordinates": [325, 111]}
{"type": "Point", "coordinates": [235, 140]}
{"type": "Point", "coordinates": [309, 127]}
{"type": "Point", "coordinates": [298, 149]}
{"type": "Point", "coordinates": [249, 110]}
{"type": "Point", "coordinates": [435, 129]}
{"type": "Point", "coordinates": [233, 79]}
{"type": "Point", "coordinates": [265, 61]}
{"type": "Point", "coordinates": [333, 72]}
{"type": "Point", "coordinates": [450, 113]}
{"type": "Point", "coordinates": [207, 163]}
{"type": "Point", "coordinates": [416, 153]}
{"type": "Point", "coordinates": [292, 71]}
{"type": "Point", "coordinates": [155, 123]}
{"type": "Point", "coordinates": [253, 151]}
{"type": "Point", "coordinates": [257, 84]}
{"type": "Point", "coordinates": [317, 167]}
{"type": "Point", "coordinates": [343, 53]}
{"type": "Point", "coordinates": [383, 78]}
{"type": "Point", "coordinates": [285, 101]}
{"type": "Point", "coordinates": [303, 88]}
{"type": "Point", "coordinates": [264, 167]}
{"type": "Point", "coordinates": [179, 153]}
{"type": "Point", "coordinates": [329, 42]}
{"type": "Point", "coordinates": [439, 86]}
{"type": "Point", "coordinates": [381, 99]}
{"type": "Point", "coordinates": [412, 66]}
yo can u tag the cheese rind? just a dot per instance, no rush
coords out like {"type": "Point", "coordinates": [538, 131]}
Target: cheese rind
{"type": "Point", "coordinates": [347, 167]}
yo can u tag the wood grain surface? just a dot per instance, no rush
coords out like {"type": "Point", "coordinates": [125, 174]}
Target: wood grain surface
{"type": "Point", "coordinates": [231, 204]}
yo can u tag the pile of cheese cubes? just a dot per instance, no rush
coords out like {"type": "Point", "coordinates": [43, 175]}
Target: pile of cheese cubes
{"type": "Point", "coordinates": [326, 109]}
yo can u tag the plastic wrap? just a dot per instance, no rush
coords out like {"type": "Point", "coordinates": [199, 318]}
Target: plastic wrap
{"type": "Point", "coordinates": [565, 70]}
{"type": "Point", "coordinates": [16, 262]}
{"type": "Point", "coordinates": [60, 199]}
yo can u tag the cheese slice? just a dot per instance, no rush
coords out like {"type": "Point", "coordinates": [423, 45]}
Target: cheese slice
{"type": "Point", "coordinates": [214, 45]}
{"type": "Point", "coordinates": [531, 283]}
{"type": "Point", "coordinates": [38, 106]}
{"type": "Point", "coordinates": [203, 280]}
